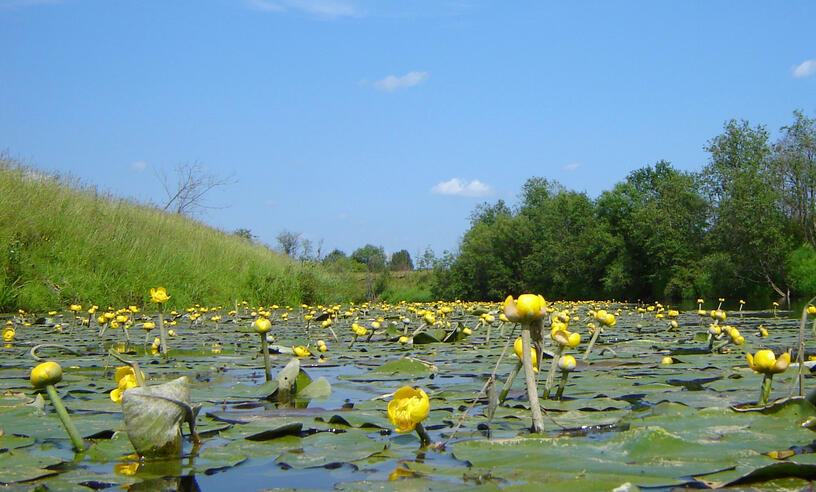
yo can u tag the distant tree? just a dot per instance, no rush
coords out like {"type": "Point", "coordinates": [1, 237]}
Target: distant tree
{"type": "Point", "coordinates": [289, 242]}
{"type": "Point", "coordinates": [306, 250]}
{"type": "Point", "coordinates": [244, 234]}
{"type": "Point", "coordinates": [401, 261]}
{"type": "Point", "coordinates": [427, 260]}
{"type": "Point", "coordinates": [747, 223]}
{"type": "Point", "coordinates": [186, 193]}
{"type": "Point", "coordinates": [793, 167]}
{"type": "Point", "coordinates": [486, 213]}
{"type": "Point", "coordinates": [373, 257]}
{"type": "Point", "coordinates": [334, 256]}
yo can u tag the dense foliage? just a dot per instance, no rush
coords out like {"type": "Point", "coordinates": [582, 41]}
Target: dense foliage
{"type": "Point", "coordinates": [745, 225]}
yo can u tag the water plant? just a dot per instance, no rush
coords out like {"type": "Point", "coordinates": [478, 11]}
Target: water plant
{"type": "Point", "coordinates": [766, 363]}
{"type": "Point", "coordinates": [46, 375]}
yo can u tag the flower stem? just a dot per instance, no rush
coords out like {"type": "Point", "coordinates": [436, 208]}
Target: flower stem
{"type": "Point", "coordinates": [424, 438]}
{"type": "Point", "coordinates": [76, 440]}
{"type": "Point", "coordinates": [162, 332]}
{"type": "Point", "coordinates": [551, 375]}
{"type": "Point", "coordinates": [529, 376]}
{"type": "Point", "coordinates": [592, 342]}
{"type": "Point", "coordinates": [767, 381]}
{"type": "Point", "coordinates": [509, 382]}
{"type": "Point", "coordinates": [267, 364]}
{"type": "Point", "coordinates": [561, 385]}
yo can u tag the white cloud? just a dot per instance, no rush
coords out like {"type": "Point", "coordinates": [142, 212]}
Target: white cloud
{"type": "Point", "coordinates": [321, 8]}
{"type": "Point", "coordinates": [392, 82]}
{"type": "Point", "coordinates": [139, 166]}
{"type": "Point", "coordinates": [572, 166]}
{"type": "Point", "coordinates": [804, 69]}
{"type": "Point", "coordinates": [462, 187]}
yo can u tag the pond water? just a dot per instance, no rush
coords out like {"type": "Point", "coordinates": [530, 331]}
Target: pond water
{"type": "Point", "coordinates": [625, 418]}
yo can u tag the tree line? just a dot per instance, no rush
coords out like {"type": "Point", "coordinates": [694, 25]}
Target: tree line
{"type": "Point", "coordinates": [745, 225]}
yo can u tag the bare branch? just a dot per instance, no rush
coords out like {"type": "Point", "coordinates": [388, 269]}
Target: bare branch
{"type": "Point", "coordinates": [192, 183]}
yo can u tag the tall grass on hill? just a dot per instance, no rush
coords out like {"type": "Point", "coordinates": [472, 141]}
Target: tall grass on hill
{"type": "Point", "coordinates": [62, 243]}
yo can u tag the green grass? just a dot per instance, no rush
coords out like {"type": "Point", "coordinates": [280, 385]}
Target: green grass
{"type": "Point", "coordinates": [62, 243]}
{"type": "Point", "coordinates": [408, 286]}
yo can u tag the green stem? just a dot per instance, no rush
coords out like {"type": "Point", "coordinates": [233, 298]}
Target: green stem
{"type": "Point", "coordinates": [529, 376]}
{"type": "Point", "coordinates": [561, 385]}
{"type": "Point", "coordinates": [509, 382]}
{"type": "Point", "coordinates": [267, 364]}
{"type": "Point", "coordinates": [76, 440]}
{"type": "Point", "coordinates": [592, 342]}
{"type": "Point", "coordinates": [162, 332]}
{"type": "Point", "coordinates": [551, 375]}
{"type": "Point", "coordinates": [767, 381]}
{"type": "Point", "coordinates": [424, 438]}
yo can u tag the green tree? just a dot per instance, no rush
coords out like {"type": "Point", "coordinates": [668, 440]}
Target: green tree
{"type": "Point", "coordinates": [658, 218]}
{"type": "Point", "coordinates": [747, 221]}
{"type": "Point", "coordinates": [373, 257]}
{"type": "Point", "coordinates": [400, 261]}
{"type": "Point", "coordinates": [793, 167]}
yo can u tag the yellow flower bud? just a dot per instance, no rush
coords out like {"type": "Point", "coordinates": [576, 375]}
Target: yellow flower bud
{"type": "Point", "coordinates": [567, 363]}
{"type": "Point", "coordinates": [45, 374]}
{"type": "Point", "coordinates": [261, 325]}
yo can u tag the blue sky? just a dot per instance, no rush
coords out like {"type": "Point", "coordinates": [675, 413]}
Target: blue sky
{"type": "Point", "coordinates": [387, 122]}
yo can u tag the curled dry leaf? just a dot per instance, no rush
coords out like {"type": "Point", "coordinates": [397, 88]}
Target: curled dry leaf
{"type": "Point", "coordinates": [153, 417]}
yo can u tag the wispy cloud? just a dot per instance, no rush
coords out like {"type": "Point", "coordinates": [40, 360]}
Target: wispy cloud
{"type": "Point", "coordinates": [139, 166]}
{"type": "Point", "coordinates": [805, 69]}
{"type": "Point", "coordinates": [320, 8]}
{"type": "Point", "coordinates": [392, 82]}
{"type": "Point", "coordinates": [462, 187]}
{"type": "Point", "coordinates": [572, 166]}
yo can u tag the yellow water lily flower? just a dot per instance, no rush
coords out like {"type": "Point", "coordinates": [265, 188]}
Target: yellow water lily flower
{"type": "Point", "coordinates": [667, 361]}
{"type": "Point", "coordinates": [159, 295]}
{"type": "Point", "coordinates": [718, 315]}
{"type": "Point", "coordinates": [126, 382]}
{"type": "Point", "coordinates": [566, 338]}
{"type": "Point", "coordinates": [358, 329]}
{"type": "Point", "coordinates": [811, 310]}
{"type": "Point", "coordinates": [409, 407]}
{"type": "Point", "coordinates": [47, 373]}
{"type": "Point", "coordinates": [533, 353]}
{"type": "Point", "coordinates": [8, 334]}
{"type": "Point", "coordinates": [301, 351]}
{"type": "Point", "coordinates": [765, 362]}
{"type": "Point", "coordinates": [567, 363]}
{"type": "Point", "coordinates": [528, 307]}
{"type": "Point", "coordinates": [261, 325]}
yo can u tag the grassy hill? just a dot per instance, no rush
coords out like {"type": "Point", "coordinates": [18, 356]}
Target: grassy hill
{"type": "Point", "coordinates": [62, 243]}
